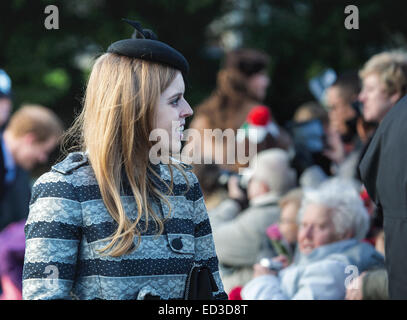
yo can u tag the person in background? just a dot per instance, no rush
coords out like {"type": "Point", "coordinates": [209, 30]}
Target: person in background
{"type": "Point", "coordinates": [309, 129]}
{"type": "Point", "coordinates": [382, 164]}
{"type": "Point", "coordinates": [282, 237]}
{"type": "Point", "coordinates": [208, 176]}
{"type": "Point", "coordinates": [309, 111]}
{"type": "Point", "coordinates": [384, 78]}
{"type": "Point", "coordinates": [349, 131]}
{"type": "Point", "coordinates": [239, 234]}
{"type": "Point", "coordinates": [29, 138]}
{"type": "Point", "coordinates": [371, 284]}
{"type": "Point", "coordinates": [281, 240]}
{"type": "Point", "coordinates": [5, 110]}
{"type": "Point", "coordinates": [260, 132]}
{"type": "Point", "coordinates": [241, 85]}
{"type": "Point", "coordinates": [340, 99]}
{"type": "Point", "coordinates": [384, 83]}
{"type": "Point", "coordinates": [12, 247]}
{"type": "Point", "coordinates": [332, 225]}
{"type": "Point", "coordinates": [312, 177]}
{"type": "Point", "coordinates": [6, 104]}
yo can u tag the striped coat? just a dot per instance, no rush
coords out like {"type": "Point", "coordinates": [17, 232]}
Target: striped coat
{"type": "Point", "coordinates": [68, 223]}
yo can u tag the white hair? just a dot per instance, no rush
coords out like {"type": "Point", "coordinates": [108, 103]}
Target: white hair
{"type": "Point", "coordinates": [312, 177]}
{"type": "Point", "coordinates": [348, 211]}
{"type": "Point", "coordinates": [272, 166]}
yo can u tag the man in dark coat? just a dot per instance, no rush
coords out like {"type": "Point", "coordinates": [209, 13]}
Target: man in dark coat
{"type": "Point", "coordinates": [30, 136]}
{"type": "Point", "coordinates": [383, 170]}
{"type": "Point", "coordinates": [384, 161]}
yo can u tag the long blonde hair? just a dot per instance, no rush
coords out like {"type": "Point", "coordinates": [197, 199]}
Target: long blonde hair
{"type": "Point", "coordinates": [114, 127]}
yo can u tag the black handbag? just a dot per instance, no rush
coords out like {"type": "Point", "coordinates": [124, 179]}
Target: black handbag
{"type": "Point", "coordinates": [200, 284]}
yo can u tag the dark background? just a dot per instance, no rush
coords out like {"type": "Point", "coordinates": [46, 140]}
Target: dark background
{"type": "Point", "coordinates": [303, 37]}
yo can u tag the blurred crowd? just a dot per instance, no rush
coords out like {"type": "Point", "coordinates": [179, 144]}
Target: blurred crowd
{"type": "Point", "coordinates": [297, 222]}
{"type": "Point", "coordinates": [293, 223]}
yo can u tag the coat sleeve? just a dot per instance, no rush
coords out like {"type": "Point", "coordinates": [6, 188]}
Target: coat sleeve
{"type": "Point", "coordinates": [226, 211]}
{"type": "Point", "coordinates": [238, 242]}
{"type": "Point", "coordinates": [318, 281]}
{"type": "Point", "coordinates": [267, 287]}
{"type": "Point", "coordinates": [375, 285]}
{"type": "Point", "coordinates": [369, 165]}
{"type": "Point", "coordinates": [205, 253]}
{"type": "Point", "coordinates": [53, 233]}
{"type": "Point", "coordinates": [322, 281]}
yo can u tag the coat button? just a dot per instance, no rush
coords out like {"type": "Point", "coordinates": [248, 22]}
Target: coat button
{"type": "Point", "coordinates": [177, 243]}
{"type": "Point", "coordinates": [77, 157]}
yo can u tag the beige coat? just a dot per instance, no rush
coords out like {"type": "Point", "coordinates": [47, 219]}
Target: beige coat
{"type": "Point", "coordinates": [239, 236]}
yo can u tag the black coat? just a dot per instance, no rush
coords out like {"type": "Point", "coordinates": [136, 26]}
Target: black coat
{"type": "Point", "coordinates": [383, 170]}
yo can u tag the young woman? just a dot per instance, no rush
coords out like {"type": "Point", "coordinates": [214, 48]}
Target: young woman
{"type": "Point", "coordinates": [107, 223]}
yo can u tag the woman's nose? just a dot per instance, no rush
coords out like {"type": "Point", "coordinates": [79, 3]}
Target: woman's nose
{"type": "Point", "coordinates": [187, 110]}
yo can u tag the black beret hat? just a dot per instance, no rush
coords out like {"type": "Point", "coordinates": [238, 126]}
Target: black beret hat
{"type": "Point", "coordinates": [144, 45]}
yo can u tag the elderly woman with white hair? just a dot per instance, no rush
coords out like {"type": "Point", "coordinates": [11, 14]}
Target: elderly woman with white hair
{"type": "Point", "coordinates": [332, 222]}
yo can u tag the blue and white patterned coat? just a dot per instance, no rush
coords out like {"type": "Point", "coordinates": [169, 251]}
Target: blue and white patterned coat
{"type": "Point", "coordinates": [68, 223]}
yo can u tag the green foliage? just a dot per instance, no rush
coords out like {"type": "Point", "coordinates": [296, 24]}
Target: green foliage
{"type": "Point", "coordinates": [57, 79]}
{"type": "Point", "coordinates": [50, 67]}
{"type": "Point", "coordinates": [303, 37]}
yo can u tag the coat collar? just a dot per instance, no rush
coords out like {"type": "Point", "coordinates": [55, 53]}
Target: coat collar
{"type": "Point", "coordinates": [326, 250]}
{"type": "Point", "coordinates": [73, 161]}
{"type": "Point", "coordinates": [265, 199]}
